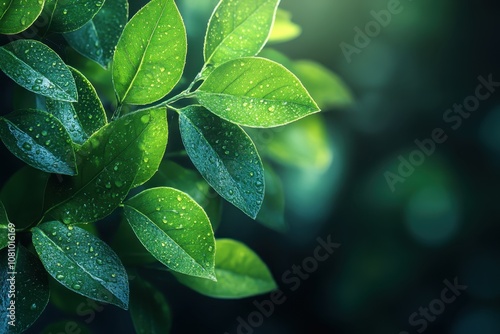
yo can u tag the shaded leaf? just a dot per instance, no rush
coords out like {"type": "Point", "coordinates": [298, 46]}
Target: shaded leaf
{"type": "Point", "coordinates": [97, 39]}
{"type": "Point", "coordinates": [128, 247]}
{"type": "Point", "coordinates": [121, 155]}
{"type": "Point", "coordinates": [151, 53]}
{"type": "Point", "coordinates": [149, 309]}
{"type": "Point", "coordinates": [31, 288]}
{"type": "Point", "coordinates": [40, 140]}
{"type": "Point", "coordinates": [191, 182]}
{"type": "Point", "coordinates": [240, 273]}
{"type": "Point", "coordinates": [17, 15]}
{"type": "Point", "coordinates": [34, 66]}
{"type": "Point", "coordinates": [255, 92]}
{"type": "Point", "coordinates": [24, 189]}
{"type": "Point", "coordinates": [82, 262]}
{"type": "Point", "coordinates": [83, 118]}
{"type": "Point", "coordinates": [175, 229]}
{"type": "Point", "coordinates": [238, 28]}
{"type": "Point", "coordinates": [69, 15]}
{"type": "Point", "coordinates": [225, 156]}
{"type": "Point", "coordinates": [272, 213]}
{"type": "Point", "coordinates": [284, 29]}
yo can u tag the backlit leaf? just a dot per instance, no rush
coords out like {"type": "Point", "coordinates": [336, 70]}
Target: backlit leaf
{"type": "Point", "coordinates": [175, 229]}
{"type": "Point", "coordinates": [17, 15]}
{"type": "Point", "coordinates": [151, 53]}
{"type": "Point", "coordinates": [40, 140]}
{"type": "Point", "coordinates": [225, 156]}
{"type": "Point", "coordinates": [240, 273]}
{"type": "Point", "coordinates": [238, 28]}
{"type": "Point", "coordinates": [255, 92]}
{"type": "Point", "coordinates": [34, 66]}
{"type": "Point", "coordinates": [97, 39]}
{"type": "Point", "coordinates": [272, 213]}
{"type": "Point", "coordinates": [123, 154]}
{"type": "Point", "coordinates": [82, 262]}
{"type": "Point", "coordinates": [69, 15]}
{"type": "Point", "coordinates": [284, 29]}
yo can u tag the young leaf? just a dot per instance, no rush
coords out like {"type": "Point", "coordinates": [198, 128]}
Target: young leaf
{"type": "Point", "coordinates": [40, 140]}
{"type": "Point", "coordinates": [34, 66]}
{"type": "Point", "coordinates": [5, 226]}
{"type": "Point", "coordinates": [238, 28]}
{"type": "Point", "coordinates": [97, 39]}
{"type": "Point", "coordinates": [175, 229]}
{"type": "Point", "coordinates": [284, 29]}
{"type": "Point", "coordinates": [149, 309]}
{"type": "Point", "coordinates": [24, 189]}
{"type": "Point", "coordinates": [255, 92]}
{"type": "Point", "coordinates": [82, 263]}
{"type": "Point", "coordinates": [225, 156]}
{"type": "Point", "coordinates": [151, 53]}
{"type": "Point", "coordinates": [31, 289]}
{"type": "Point", "coordinates": [272, 213]}
{"type": "Point", "coordinates": [17, 15]}
{"type": "Point", "coordinates": [192, 183]}
{"type": "Point", "coordinates": [240, 273]}
{"type": "Point", "coordinates": [83, 118]}
{"type": "Point", "coordinates": [121, 155]}
{"type": "Point", "coordinates": [69, 15]}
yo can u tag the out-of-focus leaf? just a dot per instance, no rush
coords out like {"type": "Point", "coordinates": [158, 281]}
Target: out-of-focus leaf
{"type": "Point", "coordinates": [272, 213]}
{"type": "Point", "coordinates": [284, 29]}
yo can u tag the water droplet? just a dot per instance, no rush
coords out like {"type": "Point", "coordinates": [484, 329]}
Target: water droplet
{"type": "Point", "coordinates": [68, 234]}
{"type": "Point", "coordinates": [27, 146]}
{"type": "Point", "coordinates": [23, 21]}
{"type": "Point", "coordinates": [113, 275]}
{"type": "Point", "coordinates": [60, 277]}
{"type": "Point", "coordinates": [65, 11]}
{"type": "Point", "coordinates": [99, 261]}
{"type": "Point", "coordinates": [91, 249]}
{"type": "Point", "coordinates": [44, 133]}
{"type": "Point", "coordinates": [179, 198]}
{"type": "Point", "coordinates": [108, 185]}
{"type": "Point", "coordinates": [210, 248]}
{"type": "Point", "coordinates": [145, 119]}
{"type": "Point", "coordinates": [33, 307]}
{"type": "Point", "coordinates": [271, 109]}
{"type": "Point", "coordinates": [76, 286]}
{"type": "Point", "coordinates": [118, 183]}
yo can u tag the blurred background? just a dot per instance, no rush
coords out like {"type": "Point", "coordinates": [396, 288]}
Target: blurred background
{"type": "Point", "coordinates": [400, 239]}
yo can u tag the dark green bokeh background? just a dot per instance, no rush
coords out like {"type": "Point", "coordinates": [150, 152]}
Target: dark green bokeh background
{"type": "Point", "coordinates": [397, 247]}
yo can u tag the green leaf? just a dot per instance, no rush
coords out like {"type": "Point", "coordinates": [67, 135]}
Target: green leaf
{"type": "Point", "coordinates": [24, 189]}
{"type": "Point", "coordinates": [272, 213]}
{"type": "Point", "coordinates": [123, 154]}
{"type": "Point", "coordinates": [69, 15]}
{"type": "Point", "coordinates": [225, 156]}
{"type": "Point", "coordinates": [83, 118]}
{"type": "Point", "coordinates": [82, 262]}
{"type": "Point", "coordinates": [255, 92]}
{"type": "Point", "coordinates": [238, 28]}
{"type": "Point", "coordinates": [284, 29]}
{"type": "Point", "coordinates": [191, 182]}
{"type": "Point", "coordinates": [6, 227]}
{"type": "Point", "coordinates": [175, 229]}
{"type": "Point", "coordinates": [17, 15]}
{"type": "Point", "coordinates": [40, 140]}
{"type": "Point", "coordinates": [97, 39]}
{"type": "Point", "coordinates": [240, 273]}
{"type": "Point", "coordinates": [31, 288]}
{"type": "Point", "coordinates": [34, 66]}
{"type": "Point", "coordinates": [326, 87]}
{"type": "Point", "coordinates": [151, 53]}
{"type": "Point", "coordinates": [149, 309]}
{"type": "Point", "coordinates": [130, 250]}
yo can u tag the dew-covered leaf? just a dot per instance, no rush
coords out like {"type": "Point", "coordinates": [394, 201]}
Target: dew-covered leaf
{"type": "Point", "coordinates": [192, 183]}
{"type": "Point", "coordinates": [40, 140]}
{"type": "Point", "coordinates": [255, 92]}
{"type": "Point", "coordinates": [31, 289]}
{"type": "Point", "coordinates": [151, 53]}
{"type": "Point", "coordinates": [24, 189]}
{"type": "Point", "coordinates": [272, 213]}
{"type": "Point", "coordinates": [240, 273]}
{"type": "Point", "coordinates": [6, 227]}
{"type": "Point", "coordinates": [149, 309]}
{"type": "Point", "coordinates": [123, 154]}
{"type": "Point", "coordinates": [175, 229]}
{"type": "Point", "coordinates": [36, 67]}
{"type": "Point", "coordinates": [82, 262]}
{"type": "Point", "coordinates": [284, 29]}
{"type": "Point", "coordinates": [69, 15]}
{"type": "Point", "coordinates": [97, 39]}
{"type": "Point", "coordinates": [225, 156]}
{"type": "Point", "coordinates": [238, 28]}
{"type": "Point", "coordinates": [83, 118]}
{"type": "Point", "coordinates": [17, 15]}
